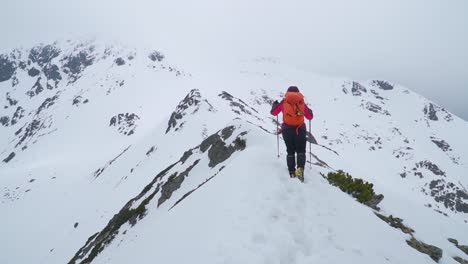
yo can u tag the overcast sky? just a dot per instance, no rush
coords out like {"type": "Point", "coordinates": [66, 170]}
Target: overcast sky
{"type": "Point", "coordinates": [422, 44]}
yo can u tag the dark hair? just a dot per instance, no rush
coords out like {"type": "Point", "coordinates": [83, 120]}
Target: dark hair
{"type": "Point", "coordinates": [293, 89]}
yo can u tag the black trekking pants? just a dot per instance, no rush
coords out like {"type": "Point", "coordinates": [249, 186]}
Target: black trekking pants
{"type": "Point", "coordinates": [295, 143]}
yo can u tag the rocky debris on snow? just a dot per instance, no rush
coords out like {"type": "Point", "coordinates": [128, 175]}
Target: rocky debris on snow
{"type": "Point", "coordinates": [99, 171]}
{"type": "Point", "coordinates": [395, 222]}
{"type": "Point", "coordinates": [460, 260]}
{"type": "Point", "coordinates": [357, 89]}
{"type": "Point", "coordinates": [7, 67]}
{"type": "Point", "coordinates": [431, 112]}
{"type": "Point", "coordinates": [151, 150]}
{"type": "Point", "coordinates": [79, 100]}
{"type": "Point", "coordinates": [189, 105]}
{"type": "Point", "coordinates": [43, 55]}
{"type": "Point", "coordinates": [156, 56]}
{"type": "Point", "coordinates": [9, 157]}
{"type": "Point", "coordinates": [377, 95]}
{"type": "Point", "coordinates": [48, 102]}
{"type": "Point", "coordinates": [32, 129]}
{"type": "Point", "coordinates": [33, 72]}
{"type": "Point", "coordinates": [262, 98]}
{"type": "Point", "coordinates": [431, 167]}
{"type": "Point", "coordinates": [19, 113]}
{"type": "Point", "coordinates": [432, 251]}
{"type": "Point", "coordinates": [119, 61]}
{"type": "Point", "coordinates": [4, 120]}
{"type": "Point", "coordinates": [74, 64]}
{"type": "Point", "coordinates": [374, 108]}
{"type": "Point", "coordinates": [238, 106]}
{"type": "Point", "coordinates": [382, 85]}
{"type": "Point", "coordinates": [75, 225]}
{"type": "Point", "coordinates": [448, 194]}
{"type": "Point", "coordinates": [345, 91]}
{"type": "Point", "coordinates": [125, 123]}
{"type": "Point", "coordinates": [404, 152]}
{"type": "Point", "coordinates": [36, 89]}
{"type": "Point", "coordinates": [11, 101]}
{"type": "Point", "coordinates": [445, 147]}
{"type": "Point", "coordinates": [136, 208]}
{"type": "Point", "coordinates": [114, 85]}
{"type": "Point", "coordinates": [461, 247]}
{"type": "Point", "coordinates": [442, 144]}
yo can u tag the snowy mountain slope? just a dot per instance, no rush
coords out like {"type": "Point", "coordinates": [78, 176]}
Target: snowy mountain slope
{"type": "Point", "coordinates": [118, 117]}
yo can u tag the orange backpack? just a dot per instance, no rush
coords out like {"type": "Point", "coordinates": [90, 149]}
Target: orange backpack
{"type": "Point", "coordinates": [293, 109]}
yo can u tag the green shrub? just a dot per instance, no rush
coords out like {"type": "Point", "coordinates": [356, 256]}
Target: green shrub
{"type": "Point", "coordinates": [359, 189]}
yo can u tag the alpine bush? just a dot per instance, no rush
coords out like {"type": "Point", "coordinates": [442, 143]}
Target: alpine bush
{"type": "Point", "coordinates": [361, 190]}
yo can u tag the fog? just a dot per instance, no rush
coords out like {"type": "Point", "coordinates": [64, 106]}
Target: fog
{"type": "Point", "coordinates": [421, 44]}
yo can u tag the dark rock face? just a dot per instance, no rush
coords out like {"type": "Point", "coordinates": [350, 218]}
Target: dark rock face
{"type": "Point", "coordinates": [30, 131]}
{"type": "Point", "coordinates": [48, 102]}
{"type": "Point", "coordinates": [376, 108]}
{"type": "Point", "coordinates": [19, 113]}
{"type": "Point", "coordinates": [192, 100]}
{"type": "Point", "coordinates": [383, 85]}
{"type": "Point", "coordinates": [432, 251]}
{"type": "Point", "coordinates": [156, 56]}
{"type": "Point", "coordinates": [430, 166]}
{"type": "Point", "coordinates": [136, 209]}
{"type": "Point", "coordinates": [218, 151]}
{"type": "Point", "coordinates": [433, 112]}
{"type": "Point", "coordinates": [357, 88]}
{"type": "Point", "coordinates": [173, 183]}
{"type": "Point", "coordinates": [374, 202]}
{"type": "Point", "coordinates": [125, 123]}
{"type": "Point", "coordinates": [430, 112]}
{"type": "Point", "coordinates": [52, 73]}
{"type": "Point", "coordinates": [4, 120]}
{"type": "Point", "coordinates": [33, 72]}
{"type": "Point", "coordinates": [461, 247]}
{"type": "Point", "coordinates": [450, 195]}
{"type": "Point", "coordinates": [43, 55]}
{"type": "Point", "coordinates": [119, 61]}
{"type": "Point", "coordinates": [10, 157]}
{"type": "Point", "coordinates": [460, 260]}
{"type": "Point", "coordinates": [442, 144]}
{"type": "Point", "coordinates": [77, 100]}
{"type": "Point", "coordinates": [74, 65]}
{"type": "Point", "coordinates": [7, 68]}
{"type": "Point", "coordinates": [36, 89]}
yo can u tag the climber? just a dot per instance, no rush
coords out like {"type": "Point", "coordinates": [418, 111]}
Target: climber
{"type": "Point", "coordinates": [293, 129]}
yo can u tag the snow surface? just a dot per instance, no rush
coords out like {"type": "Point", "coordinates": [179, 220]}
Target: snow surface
{"type": "Point", "coordinates": [251, 211]}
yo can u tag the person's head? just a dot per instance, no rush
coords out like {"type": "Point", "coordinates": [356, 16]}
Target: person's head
{"type": "Point", "coordinates": [293, 89]}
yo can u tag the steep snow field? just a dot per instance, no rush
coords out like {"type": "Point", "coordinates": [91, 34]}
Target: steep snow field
{"type": "Point", "coordinates": [120, 156]}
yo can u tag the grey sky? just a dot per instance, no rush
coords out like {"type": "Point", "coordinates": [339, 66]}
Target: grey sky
{"type": "Point", "coordinates": [422, 44]}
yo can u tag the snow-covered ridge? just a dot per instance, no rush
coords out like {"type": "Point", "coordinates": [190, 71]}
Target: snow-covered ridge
{"type": "Point", "coordinates": [100, 139]}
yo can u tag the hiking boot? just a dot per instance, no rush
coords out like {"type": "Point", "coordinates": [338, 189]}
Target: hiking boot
{"type": "Point", "coordinates": [300, 173]}
{"type": "Point", "coordinates": [292, 174]}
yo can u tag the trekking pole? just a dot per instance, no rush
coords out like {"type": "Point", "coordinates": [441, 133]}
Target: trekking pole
{"type": "Point", "coordinates": [277, 135]}
{"type": "Point", "coordinates": [310, 144]}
